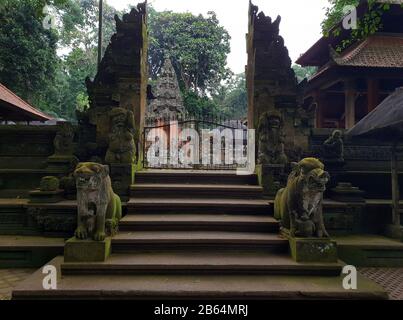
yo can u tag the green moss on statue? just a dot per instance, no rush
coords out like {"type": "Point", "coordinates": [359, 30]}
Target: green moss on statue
{"type": "Point", "coordinates": [299, 204]}
{"type": "Point", "coordinates": [49, 184]}
{"type": "Point", "coordinates": [99, 208]}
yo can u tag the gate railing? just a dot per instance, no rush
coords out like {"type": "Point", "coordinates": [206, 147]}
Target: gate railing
{"type": "Point", "coordinates": [209, 143]}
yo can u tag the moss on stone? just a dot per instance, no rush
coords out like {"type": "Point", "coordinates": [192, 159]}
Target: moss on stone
{"type": "Point", "coordinates": [49, 183]}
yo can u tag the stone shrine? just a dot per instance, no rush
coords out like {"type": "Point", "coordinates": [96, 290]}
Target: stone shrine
{"type": "Point", "coordinates": [168, 102]}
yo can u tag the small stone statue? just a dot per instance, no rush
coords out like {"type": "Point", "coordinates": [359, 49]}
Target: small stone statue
{"type": "Point", "coordinates": [63, 141]}
{"type": "Point", "coordinates": [333, 147]}
{"type": "Point", "coordinates": [122, 149]}
{"type": "Point", "coordinates": [49, 183]}
{"type": "Point", "coordinates": [271, 139]}
{"type": "Point", "coordinates": [99, 208]}
{"type": "Point", "coordinates": [299, 204]}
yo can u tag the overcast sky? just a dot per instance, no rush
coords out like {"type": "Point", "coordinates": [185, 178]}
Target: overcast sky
{"type": "Point", "coordinates": [300, 25]}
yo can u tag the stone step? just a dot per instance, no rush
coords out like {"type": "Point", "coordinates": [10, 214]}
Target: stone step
{"type": "Point", "coordinates": [198, 222]}
{"type": "Point", "coordinates": [202, 287]}
{"type": "Point", "coordinates": [183, 205]}
{"type": "Point", "coordinates": [191, 190]}
{"type": "Point", "coordinates": [127, 242]}
{"type": "Point", "coordinates": [194, 176]}
{"type": "Point", "coordinates": [28, 251]}
{"type": "Point", "coordinates": [194, 262]}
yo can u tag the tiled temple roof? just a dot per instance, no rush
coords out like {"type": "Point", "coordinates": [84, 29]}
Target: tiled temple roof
{"type": "Point", "coordinates": [18, 106]}
{"type": "Point", "coordinates": [378, 51]}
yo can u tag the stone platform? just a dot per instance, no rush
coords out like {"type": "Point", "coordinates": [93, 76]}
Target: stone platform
{"type": "Point", "coordinates": [120, 287]}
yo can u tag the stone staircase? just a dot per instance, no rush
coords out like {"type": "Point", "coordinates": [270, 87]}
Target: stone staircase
{"type": "Point", "coordinates": [202, 235]}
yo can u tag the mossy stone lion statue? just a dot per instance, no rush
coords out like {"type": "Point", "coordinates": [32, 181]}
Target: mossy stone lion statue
{"type": "Point", "coordinates": [299, 204]}
{"type": "Point", "coordinates": [99, 208]}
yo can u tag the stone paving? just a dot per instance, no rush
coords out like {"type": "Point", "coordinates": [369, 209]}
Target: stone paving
{"type": "Point", "coordinates": [9, 278]}
{"type": "Point", "coordinates": [391, 279]}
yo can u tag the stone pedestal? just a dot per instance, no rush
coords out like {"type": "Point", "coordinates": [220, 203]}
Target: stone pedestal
{"type": "Point", "coordinates": [121, 177]}
{"type": "Point", "coordinates": [336, 171]}
{"type": "Point", "coordinates": [312, 249]}
{"type": "Point", "coordinates": [86, 250]}
{"type": "Point", "coordinates": [63, 164]}
{"type": "Point", "coordinates": [271, 178]}
{"type": "Point", "coordinates": [346, 192]}
{"type": "Point", "coordinates": [38, 196]}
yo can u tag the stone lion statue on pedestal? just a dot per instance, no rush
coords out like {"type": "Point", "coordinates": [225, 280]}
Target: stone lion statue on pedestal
{"type": "Point", "coordinates": [299, 204]}
{"type": "Point", "coordinates": [99, 208]}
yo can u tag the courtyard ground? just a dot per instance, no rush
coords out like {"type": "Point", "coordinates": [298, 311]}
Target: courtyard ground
{"type": "Point", "coordinates": [391, 279]}
{"type": "Point", "coordinates": [9, 278]}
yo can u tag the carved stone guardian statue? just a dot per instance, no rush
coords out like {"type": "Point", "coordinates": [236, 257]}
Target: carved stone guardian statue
{"type": "Point", "coordinates": [271, 139]}
{"type": "Point", "coordinates": [333, 147]}
{"type": "Point", "coordinates": [63, 141]}
{"type": "Point", "coordinates": [99, 211]}
{"type": "Point", "coordinates": [299, 204]}
{"type": "Point", "coordinates": [99, 208]}
{"type": "Point", "coordinates": [122, 149]}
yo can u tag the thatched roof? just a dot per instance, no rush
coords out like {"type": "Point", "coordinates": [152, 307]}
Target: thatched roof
{"type": "Point", "coordinates": [385, 121]}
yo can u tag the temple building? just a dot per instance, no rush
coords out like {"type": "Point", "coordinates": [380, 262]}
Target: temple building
{"type": "Point", "coordinates": [13, 108]}
{"type": "Point", "coordinates": [351, 83]}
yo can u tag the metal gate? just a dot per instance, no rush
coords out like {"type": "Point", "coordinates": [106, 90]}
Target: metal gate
{"type": "Point", "coordinates": [194, 143]}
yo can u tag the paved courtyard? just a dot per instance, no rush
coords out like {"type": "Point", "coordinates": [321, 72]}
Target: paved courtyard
{"type": "Point", "coordinates": [9, 278]}
{"type": "Point", "coordinates": [391, 279]}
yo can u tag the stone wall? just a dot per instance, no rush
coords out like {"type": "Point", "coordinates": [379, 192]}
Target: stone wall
{"type": "Point", "coordinates": [367, 163]}
{"type": "Point", "coordinates": [122, 78]}
{"type": "Point", "coordinates": [271, 82]}
{"type": "Point", "coordinates": [24, 151]}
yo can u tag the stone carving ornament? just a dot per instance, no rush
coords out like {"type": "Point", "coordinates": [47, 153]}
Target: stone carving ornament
{"type": "Point", "coordinates": [271, 139]}
{"type": "Point", "coordinates": [99, 208]}
{"type": "Point", "coordinates": [122, 149]}
{"type": "Point", "coordinates": [167, 102]}
{"type": "Point", "coordinates": [333, 147]}
{"type": "Point", "coordinates": [63, 141]}
{"type": "Point", "coordinates": [299, 204]}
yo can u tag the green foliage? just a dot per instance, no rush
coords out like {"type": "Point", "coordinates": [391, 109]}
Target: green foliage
{"type": "Point", "coordinates": [229, 100]}
{"type": "Point", "coordinates": [368, 24]}
{"type": "Point", "coordinates": [28, 58]}
{"type": "Point", "coordinates": [81, 61]}
{"type": "Point", "coordinates": [200, 106]}
{"type": "Point", "coordinates": [235, 98]}
{"type": "Point", "coordinates": [29, 64]}
{"type": "Point", "coordinates": [303, 72]}
{"type": "Point", "coordinates": [197, 46]}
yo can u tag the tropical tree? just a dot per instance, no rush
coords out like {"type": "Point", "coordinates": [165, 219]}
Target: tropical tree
{"type": "Point", "coordinates": [28, 59]}
{"type": "Point", "coordinates": [303, 72]}
{"type": "Point", "coordinates": [198, 47]}
{"type": "Point", "coordinates": [368, 24]}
